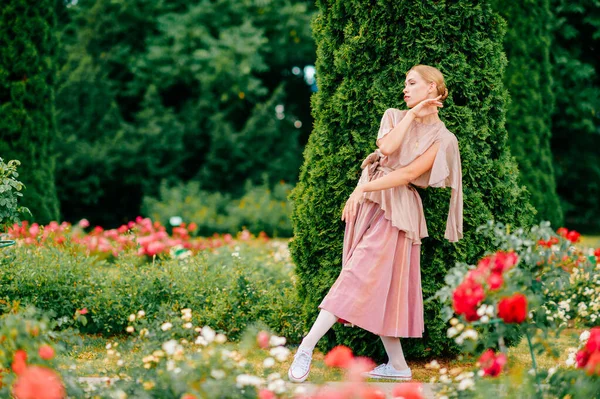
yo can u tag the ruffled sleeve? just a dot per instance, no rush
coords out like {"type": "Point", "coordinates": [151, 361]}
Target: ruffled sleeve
{"type": "Point", "coordinates": [391, 117]}
{"type": "Point", "coordinates": [446, 172]}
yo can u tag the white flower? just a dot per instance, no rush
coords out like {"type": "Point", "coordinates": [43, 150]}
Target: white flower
{"type": "Point", "coordinates": [485, 318]}
{"type": "Point", "coordinates": [120, 394]}
{"type": "Point", "coordinates": [130, 329]}
{"type": "Point", "coordinates": [433, 365]}
{"type": "Point", "coordinates": [235, 254]}
{"type": "Point", "coordinates": [217, 374]}
{"type": "Point", "coordinates": [459, 340]}
{"type": "Point", "coordinates": [584, 336]}
{"type": "Point", "coordinates": [141, 313]}
{"type": "Point", "coordinates": [208, 334]}
{"type": "Point", "coordinates": [280, 353]}
{"type": "Point", "coordinates": [170, 365]}
{"type": "Point", "coordinates": [166, 326]}
{"type": "Point", "coordinates": [452, 331]}
{"type": "Point", "coordinates": [443, 370]}
{"type": "Point", "coordinates": [108, 346]}
{"type": "Point", "coordinates": [481, 310]}
{"type": "Point", "coordinates": [171, 347]}
{"type": "Point", "coordinates": [220, 339]}
{"type": "Point", "coordinates": [490, 311]}
{"type": "Point", "coordinates": [120, 362]}
{"type": "Point", "coordinates": [201, 341]}
{"type": "Point", "coordinates": [470, 334]}
{"type": "Point", "coordinates": [243, 380]}
{"type": "Point", "coordinates": [453, 321]}
{"type": "Point", "coordinates": [276, 341]}
{"type": "Point", "coordinates": [269, 362]}
{"type": "Point", "coordinates": [466, 384]}
{"type": "Point", "coordinates": [277, 386]}
{"type": "Point", "coordinates": [551, 371]}
{"type": "Point", "coordinates": [132, 317]}
{"type": "Point", "coordinates": [188, 325]}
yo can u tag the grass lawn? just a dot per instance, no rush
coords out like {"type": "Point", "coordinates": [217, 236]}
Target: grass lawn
{"type": "Point", "coordinates": [90, 359]}
{"type": "Point", "coordinates": [590, 241]}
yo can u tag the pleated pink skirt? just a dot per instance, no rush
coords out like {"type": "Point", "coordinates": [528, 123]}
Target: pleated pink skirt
{"type": "Point", "coordinates": [379, 287]}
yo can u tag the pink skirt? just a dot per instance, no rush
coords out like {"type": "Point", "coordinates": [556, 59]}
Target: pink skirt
{"type": "Point", "coordinates": [379, 287]}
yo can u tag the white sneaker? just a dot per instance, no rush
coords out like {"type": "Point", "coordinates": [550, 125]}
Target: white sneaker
{"type": "Point", "coordinates": [388, 372]}
{"type": "Point", "coordinates": [300, 366]}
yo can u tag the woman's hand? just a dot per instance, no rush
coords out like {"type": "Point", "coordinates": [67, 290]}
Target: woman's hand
{"type": "Point", "coordinates": [427, 107]}
{"type": "Point", "coordinates": [351, 206]}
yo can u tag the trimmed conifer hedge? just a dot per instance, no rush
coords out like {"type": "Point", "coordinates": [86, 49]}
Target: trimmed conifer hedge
{"type": "Point", "coordinates": [27, 74]}
{"type": "Point", "coordinates": [528, 78]}
{"type": "Point", "coordinates": [363, 53]}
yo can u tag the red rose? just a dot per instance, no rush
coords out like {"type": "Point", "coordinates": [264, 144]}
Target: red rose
{"type": "Point", "coordinates": [83, 311]}
{"type": "Point", "coordinates": [340, 356]}
{"type": "Point", "coordinates": [38, 383]}
{"type": "Point", "coordinates": [573, 236]}
{"type": "Point", "coordinates": [492, 364]}
{"type": "Point", "coordinates": [46, 352]}
{"type": "Point", "coordinates": [562, 231]}
{"type": "Point", "coordinates": [593, 342]}
{"type": "Point", "coordinates": [513, 309]}
{"type": "Point", "coordinates": [467, 297]}
{"type": "Point", "coordinates": [408, 390]}
{"type": "Point", "coordinates": [262, 339]}
{"type": "Point", "coordinates": [593, 365]}
{"type": "Point", "coordinates": [370, 392]}
{"type": "Point", "coordinates": [597, 252]}
{"type": "Point", "coordinates": [358, 367]}
{"type": "Point", "coordinates": [582, 358]}
{"type": "Point", "coordinates": [19, 363]}
{"type": "Point", "coordinates": [188, 396]}
{"type": "Point", "coordinates": [495, 281]}
{"type": "Point", "coordinates": [503, 261]}
{"type": "Point", "coordinates": [266, 394]}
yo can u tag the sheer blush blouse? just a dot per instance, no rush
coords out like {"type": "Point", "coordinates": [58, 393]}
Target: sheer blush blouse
{"type": "Point", "coordinates": [402, 204]}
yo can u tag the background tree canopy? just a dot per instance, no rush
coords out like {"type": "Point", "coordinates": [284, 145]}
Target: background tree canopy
{"type": "Point", "coordinates": [177, 90]}
{"type": "Point", "coordinates": [123, 97]}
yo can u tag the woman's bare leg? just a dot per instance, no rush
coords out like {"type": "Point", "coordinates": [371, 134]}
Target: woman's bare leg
{"type": "Point", "coordinates": [394, 351]}
{"type": "Point", "coordinates": [324, 322]}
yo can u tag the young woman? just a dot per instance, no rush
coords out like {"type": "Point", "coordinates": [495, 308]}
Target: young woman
{"type": "Point", "coordinates": [379, 287]}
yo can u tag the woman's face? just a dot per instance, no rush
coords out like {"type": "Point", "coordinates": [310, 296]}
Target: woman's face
{"type": "Point", "coordinates": [416, 89]}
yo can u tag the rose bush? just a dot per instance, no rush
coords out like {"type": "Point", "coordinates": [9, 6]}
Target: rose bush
{"type": "Point", "coordinates": [232, 285]}
{"type": "Point", "coordinates": [513, 292]}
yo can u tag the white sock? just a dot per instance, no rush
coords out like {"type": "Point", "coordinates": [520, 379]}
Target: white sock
{"type": "Point", "coordinates": [394, 351]}
{"type": "Point", "coordinates": [324, 322]}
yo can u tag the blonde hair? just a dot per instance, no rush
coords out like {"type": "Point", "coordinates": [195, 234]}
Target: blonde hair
{"type": "Point", "coordinates": [431, 74]}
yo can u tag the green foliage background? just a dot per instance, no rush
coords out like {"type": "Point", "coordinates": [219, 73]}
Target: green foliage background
{"type": "Point", "coordinates": [575, 57]}
{"type": "Point", "coordinates": [360, 74]}
{"type": "Point", "coordinates": [528, 78]}
{"type": "Point", "coordinates": [173, 91]}
{"type": "Point", "coordinates": [27, 115]}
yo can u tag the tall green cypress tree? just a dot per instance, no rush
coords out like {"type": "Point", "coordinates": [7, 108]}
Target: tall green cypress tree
{"type": "Point", "coordinates": [528, 78]}
{"type": "Point", "coordinates": [363, 53]}
{"type": "Point", "coordinates": [27, 72]}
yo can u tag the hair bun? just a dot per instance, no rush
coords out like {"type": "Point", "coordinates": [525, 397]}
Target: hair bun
{"type": "Point", "coordinates": [445, 95]}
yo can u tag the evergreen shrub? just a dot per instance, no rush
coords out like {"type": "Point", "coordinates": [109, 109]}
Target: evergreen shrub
{"type": "Point", "coordinates": [363, 53]}
{"type": "Point", "coordinates": [27, 120]}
